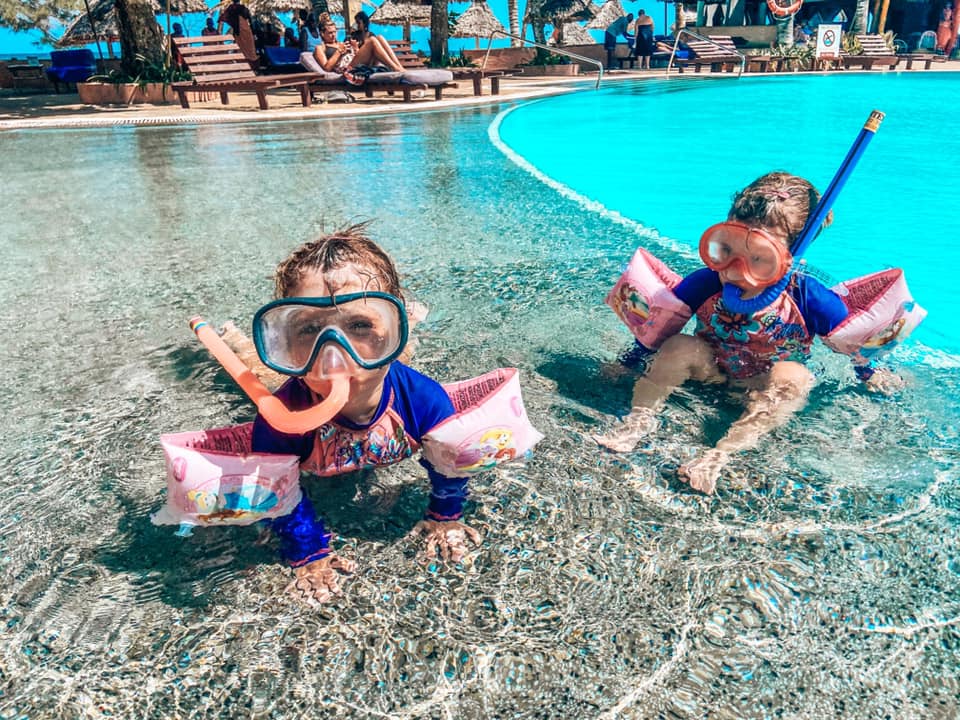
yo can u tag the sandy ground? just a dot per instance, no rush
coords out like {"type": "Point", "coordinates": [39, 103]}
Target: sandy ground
{"type": "Point", "coordinates": [21, 109]}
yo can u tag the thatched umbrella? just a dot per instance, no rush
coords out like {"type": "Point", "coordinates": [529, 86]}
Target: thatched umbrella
{"type": "Point", "coordinates": [610, 11]}
{"type": "Point", "coordinates": [576, 34]}
{"type": "Point", "coordinates": [565, 10]}
{"type": "Point", "coordinates": [100, 20]}
{"type": "Point", "coordinates": [477, 20]}
{"type": "Point", "coordinates": [394, 12]}
{"type": "Point", "coordinates": [271, 7]}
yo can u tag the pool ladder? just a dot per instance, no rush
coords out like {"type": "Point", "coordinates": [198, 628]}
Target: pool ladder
{"type": "Point", "coordinates": [550, 48]}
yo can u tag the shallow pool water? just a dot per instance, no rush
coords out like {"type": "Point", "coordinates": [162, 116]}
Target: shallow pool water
{"type": "Point", "coordinates": [821, 581]}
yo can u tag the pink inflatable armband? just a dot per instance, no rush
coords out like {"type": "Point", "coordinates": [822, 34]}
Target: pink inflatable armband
{"type": "Point", "coordinates": [489, 428]}
{"type": "Point", "coordinates": [214, 479]}
{"type": "Point", "coordinates": [882, 314]}
{"type": "Point", "coordinates": [643, 298]}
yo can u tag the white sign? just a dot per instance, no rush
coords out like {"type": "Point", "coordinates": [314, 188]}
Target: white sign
{"type": "Point", "coordinates": [828, 41]}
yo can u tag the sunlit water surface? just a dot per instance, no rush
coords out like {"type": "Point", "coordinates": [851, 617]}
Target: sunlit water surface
{"type": "Point", "coordinates": [821, 581]}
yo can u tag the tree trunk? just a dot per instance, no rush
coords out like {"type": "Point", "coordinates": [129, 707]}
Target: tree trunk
{"type": "Point", "coordinates": [785, 31]}
{"type": "Point", "coordinates": [858, 23]}
{"type": "Point", "coordinates": [679, 22]}
{"type": "Point", "coordinates": [513, 13]}
{"type": "Point", "coordinates": [141, 40]}
{"type": "Point", "coordinates": [439, 33]}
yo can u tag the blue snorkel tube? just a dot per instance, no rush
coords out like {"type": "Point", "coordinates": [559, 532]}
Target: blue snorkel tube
{"type": "Point", "coordinates": [732, 295]}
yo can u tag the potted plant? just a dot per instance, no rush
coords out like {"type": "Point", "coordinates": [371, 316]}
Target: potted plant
{"type": "Point", "coordinates": [151, 85]}
{"type": "Point", "coordinates": [551, 64]}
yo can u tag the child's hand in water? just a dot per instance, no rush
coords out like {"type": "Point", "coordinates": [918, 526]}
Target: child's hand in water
{"type": "Point", "coordinates": [885, 381]}
{"type": "Point", "coordinates": [320, 580]}
{"type": "Point", "coordinates": [449, 537]}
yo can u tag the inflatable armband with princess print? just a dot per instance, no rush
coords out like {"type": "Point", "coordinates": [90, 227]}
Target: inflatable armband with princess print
{"type": "Point", "coordinates": [643, 298]}
{"type": "Point", "coordinates": [490, 426]}
{"type": "Point", "coordinates": [882, 314]}
{"type": "Point", "coordinates": [213, 478]}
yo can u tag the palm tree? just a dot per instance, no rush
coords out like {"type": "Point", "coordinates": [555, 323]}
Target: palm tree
{"type": "Point", "coordinates": [858, 23]}
{"type": "Point", "coordinates": [439, 33]}
{"type": "Point", "coordinates": [513, 12]}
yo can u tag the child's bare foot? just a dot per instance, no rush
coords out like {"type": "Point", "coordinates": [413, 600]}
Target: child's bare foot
{"type": "Point", "coordinates": [703, 472]}
{"type": "Point", "coordinates": [635, 426]}
{"type": "Point", "coordinates": [319, 581]}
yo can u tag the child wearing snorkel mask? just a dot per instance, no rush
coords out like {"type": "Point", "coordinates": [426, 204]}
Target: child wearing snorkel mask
{"type": "Point", "coordinates": [340, 313]}
{"type": "Point", "coordinates": [762, 352]}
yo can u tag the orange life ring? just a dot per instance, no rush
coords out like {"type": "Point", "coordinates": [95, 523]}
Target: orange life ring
{"type": "Point", "coordinates": [784, 11]}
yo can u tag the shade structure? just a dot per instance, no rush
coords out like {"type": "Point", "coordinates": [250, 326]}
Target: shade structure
{"type": "Point", "coordinates": [80, 31]}
{"type": "Point", "coordinates": [477, 21]}
{"type": "Point", "coordinates": [611, 10]}
{"type": "Point", "coordinates": [576, 34]}
{"type": "Point", "coordinates": [394, 12]}
{"type": "Point", "coordinates": [557, 10]}
{"type": "Point", "coordinates": [258, 8]}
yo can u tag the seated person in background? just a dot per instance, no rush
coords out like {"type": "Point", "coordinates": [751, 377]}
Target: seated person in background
{"type": "Point", "coordinates": [351, 60]}
{"type": "Point", "coordinates": [310, 38]}
{"type": "Point", "coordinates": [801, 34]}
{"type": "Point", "coordinates": [290, 38]}
{"type": "Point", "coordinates": [209, 28]}
{"type": "Point", "coordinates": [363, 34]}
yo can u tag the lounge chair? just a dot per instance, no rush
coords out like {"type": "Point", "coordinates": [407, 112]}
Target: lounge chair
{"type": "Point", "coordinates": [412, 61]}
{"type": "Point", "coordinates": [875, 48]}
{"type": "Point", "coordinates": [755, 63]}
{"type": "Point", "coordinates": [709, 54]}
{"type": "Point", "coordinates": [218, 65]}
{"type": "Point", "coordinates": [406, 82]}
{"type": "Point", "coordinates": [70, 66]}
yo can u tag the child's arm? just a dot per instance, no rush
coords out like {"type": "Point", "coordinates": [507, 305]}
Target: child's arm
{"type": "Point", "coordinates": [823, 311]}
{"type": "Point", "coordinates": [693, 291]}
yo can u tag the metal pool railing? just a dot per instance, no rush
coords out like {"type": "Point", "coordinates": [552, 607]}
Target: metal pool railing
{"type": "Point", "coordinates": [553, 49]}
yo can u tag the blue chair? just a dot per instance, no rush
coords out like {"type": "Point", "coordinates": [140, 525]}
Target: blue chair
{"type": "Point", "coordinates": [70, 66]}
{"type": "Point", "coordinates": [276, 59]}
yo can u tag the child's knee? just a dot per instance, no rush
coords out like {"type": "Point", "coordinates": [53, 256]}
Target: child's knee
{"type": "Point", "coordinates": [791, 378]}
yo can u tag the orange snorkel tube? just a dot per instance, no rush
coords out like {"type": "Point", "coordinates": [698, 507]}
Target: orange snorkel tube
{"type": "Point", "coordinates": [277, 415]}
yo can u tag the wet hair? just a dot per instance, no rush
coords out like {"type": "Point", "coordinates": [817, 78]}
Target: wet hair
{"type": "Point", "coordinates": [777, 200]}
{"type": "Point", "coordinates": [330, 252]}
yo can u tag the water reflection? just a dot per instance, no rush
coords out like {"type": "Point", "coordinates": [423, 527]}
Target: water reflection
{"type": "Point", "coordinates": [822, 581]}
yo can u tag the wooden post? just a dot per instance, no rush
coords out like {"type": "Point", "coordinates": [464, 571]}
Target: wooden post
{"type": "Point", "coordinates": [350, 8]}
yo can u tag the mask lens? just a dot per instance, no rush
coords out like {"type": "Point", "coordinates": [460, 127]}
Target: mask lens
{"type": "Point", "coordinates": [759, 258]}
{"type": "Point", "coordinates": [369, 328]}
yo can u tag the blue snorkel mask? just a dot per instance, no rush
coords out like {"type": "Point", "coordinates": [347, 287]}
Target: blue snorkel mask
{"type": "Point", "coordinates": [371, 327]}
{"type": "Point", "coordinates": [733, 295]}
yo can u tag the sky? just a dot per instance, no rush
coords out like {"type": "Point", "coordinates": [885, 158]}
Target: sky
{"type": "Point", "coordinates": [26, 43]}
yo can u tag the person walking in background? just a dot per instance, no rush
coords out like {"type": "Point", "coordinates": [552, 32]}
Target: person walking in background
{"type": "Point", "coordinates": [643, 30]}
{"type": "Point", "coordinates": [617, 28]}
{"type": "Point", "coordinates": [945, 30]}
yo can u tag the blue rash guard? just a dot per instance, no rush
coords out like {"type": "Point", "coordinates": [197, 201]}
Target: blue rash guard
{"type": "Point", "coordinates": [421, 404]}
{"type": "Point", "coordinates": [821, 308]}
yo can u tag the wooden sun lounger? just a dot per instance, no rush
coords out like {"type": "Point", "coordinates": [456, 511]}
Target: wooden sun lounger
{"type": "Point", "coordinates": [874, 46]}
{"type": "Point", "coordinates": [703, 53]}
{"type": "Point", "coordinates": [409, 59]}
{"type": "Point", "coordinates": [926, 58]}
{"type": "Point", "coordinates": [218, 65]}
{"type": "Point", "coordinates": [754, 63]}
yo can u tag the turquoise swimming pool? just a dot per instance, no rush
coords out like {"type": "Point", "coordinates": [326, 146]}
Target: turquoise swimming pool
{"type": "Point", "coordinates": [670, 162]}
{"type": "Point", "coordinates": [822, 580]}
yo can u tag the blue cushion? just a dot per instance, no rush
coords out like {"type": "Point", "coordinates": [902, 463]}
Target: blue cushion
{"type": "Point", "coordinates": [71, 65]}
{"type": "Point", "coordinates": [282, 55]}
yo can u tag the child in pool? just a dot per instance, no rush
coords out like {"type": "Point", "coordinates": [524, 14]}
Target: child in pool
{"type": "Point", "coordinates": [763, 353]}
{"type": "Point", "coordinates": [346, 283]}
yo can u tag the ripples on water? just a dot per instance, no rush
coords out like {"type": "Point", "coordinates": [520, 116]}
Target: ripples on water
{"type": "Point", "coordinates": [821, 582]}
